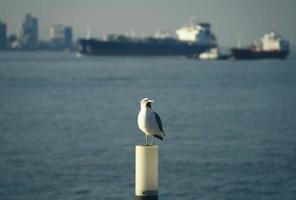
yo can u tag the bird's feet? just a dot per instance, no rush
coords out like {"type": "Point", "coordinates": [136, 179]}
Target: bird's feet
{"type": "Point", "coordinates": [146, 141]}
{"type": "Point", "coordinates": [151, 141]}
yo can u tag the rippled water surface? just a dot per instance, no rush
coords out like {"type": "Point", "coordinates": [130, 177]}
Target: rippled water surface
{"type": "Point", "coordinates": [68, 126]}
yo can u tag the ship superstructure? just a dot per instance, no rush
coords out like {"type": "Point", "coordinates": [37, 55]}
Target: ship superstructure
{"type": "Point", "coordinates": [200, 33]}
{"type": "Point", "coordinates": [274, 42]}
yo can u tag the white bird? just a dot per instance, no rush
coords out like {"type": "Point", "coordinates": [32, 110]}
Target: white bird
{"type": "Point", "coordinates": [149, 121]}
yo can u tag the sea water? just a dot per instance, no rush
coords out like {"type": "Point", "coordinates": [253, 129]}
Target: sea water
{"type": "Point", "coordinates": [68, 126]}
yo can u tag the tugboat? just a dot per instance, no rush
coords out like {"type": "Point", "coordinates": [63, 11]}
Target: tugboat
{"type": "Point", "coordinates": [212, 54]}
{"type": "Point", "coordinates": [271, 46]}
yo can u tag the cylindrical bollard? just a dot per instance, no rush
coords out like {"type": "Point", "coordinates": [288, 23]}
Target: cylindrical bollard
{"type": "Point", "coordinates": [146, 180]}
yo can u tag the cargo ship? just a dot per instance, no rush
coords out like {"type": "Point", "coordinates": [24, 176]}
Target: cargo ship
{"type": "Point", "coordinates": [271, 46]}
{"type": "Point", "coordinates": [188, 40]}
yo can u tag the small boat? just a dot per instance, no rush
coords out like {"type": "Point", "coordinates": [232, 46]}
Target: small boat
{"type": "Point", "coordinates": [211, 54]}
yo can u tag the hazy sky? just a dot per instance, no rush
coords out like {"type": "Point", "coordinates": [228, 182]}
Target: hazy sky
{"type": "Point", "coordinates": [230, 19]}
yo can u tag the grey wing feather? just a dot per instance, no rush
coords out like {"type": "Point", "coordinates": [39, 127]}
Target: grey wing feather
{"type": "Point", "coordinates": [158, 120]}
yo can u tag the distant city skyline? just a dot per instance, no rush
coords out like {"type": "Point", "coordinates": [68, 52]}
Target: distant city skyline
{"type": "Point", "coordinates": [231, 19]}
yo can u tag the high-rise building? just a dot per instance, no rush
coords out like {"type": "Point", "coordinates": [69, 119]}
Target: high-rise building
{"type": "Point", "coordinates": [3, 37]}
{"type": "Point", "coordinates": [28, 32]}
{"type": "Point", "coordinates": [61, 36]}
{"type": "Point", "coordinates": [68, 36]}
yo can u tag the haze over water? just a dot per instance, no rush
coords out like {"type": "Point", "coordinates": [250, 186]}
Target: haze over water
{"type": "Point", "coordinates": [68, 126]}
{"type": "Point", "coordinates": [231, 20]}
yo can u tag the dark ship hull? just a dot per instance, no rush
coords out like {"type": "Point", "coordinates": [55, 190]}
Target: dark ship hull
{"type": "Point", "coordinates": [153, 47]}
{"type": "Point", "coordinates": [240, 53]}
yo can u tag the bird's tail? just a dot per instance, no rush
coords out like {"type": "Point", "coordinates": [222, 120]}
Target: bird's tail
{"type": "Point", "coordinates": [159, 137]}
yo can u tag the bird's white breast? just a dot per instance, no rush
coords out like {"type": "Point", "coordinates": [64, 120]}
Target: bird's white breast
{"type": "Point", "coordinates": [142, 121]}
{"type": "Point", "coordinates": [147, 123]}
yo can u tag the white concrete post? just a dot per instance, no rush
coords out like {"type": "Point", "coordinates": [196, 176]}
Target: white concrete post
{"type": "Point", "coordinates": [146, 179]}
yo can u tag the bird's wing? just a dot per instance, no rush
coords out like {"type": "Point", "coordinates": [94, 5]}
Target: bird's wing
{"type": "Point", "coordinates": [158, 121]}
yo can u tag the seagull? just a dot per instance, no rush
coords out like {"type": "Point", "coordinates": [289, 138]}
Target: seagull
{"type": "Point", "coordinates": [149, 121]}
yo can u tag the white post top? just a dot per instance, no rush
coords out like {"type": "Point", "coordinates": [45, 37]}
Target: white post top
{"type": "Point", "coordinates": [146, 146]}
{"type": "Point", "coordinates": [146, 180]}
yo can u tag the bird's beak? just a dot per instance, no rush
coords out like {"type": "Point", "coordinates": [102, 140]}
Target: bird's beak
{"type": "Point", "coordinates": [150, 101]}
